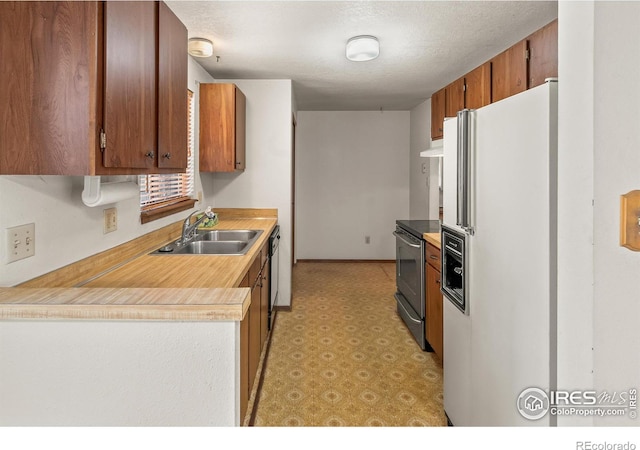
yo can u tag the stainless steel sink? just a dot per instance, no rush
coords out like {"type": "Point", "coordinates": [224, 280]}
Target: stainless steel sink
{"type": "Point", "coordinates": [217, 242]}
{"type": "Point", "coordinates": [214, 248]}
{"type": "Point", "coordinates": [228, 235]}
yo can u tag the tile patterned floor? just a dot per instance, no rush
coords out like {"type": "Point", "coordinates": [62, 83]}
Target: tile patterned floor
{"type": "Point", "coordinates": [343, 357]}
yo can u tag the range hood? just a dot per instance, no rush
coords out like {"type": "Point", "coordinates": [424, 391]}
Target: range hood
{"type": "Point", "coordinates": [433, 152]}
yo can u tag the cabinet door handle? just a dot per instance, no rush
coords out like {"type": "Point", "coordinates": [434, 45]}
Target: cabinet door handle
{"type": "Point", "coordinates": [433, 257]}
{"type": "Point", "coordinates": [239, 163]}
{"type": "Point", "coordinates": [167, 155]}
{"type": "Point", "coordinates": [150, 154]}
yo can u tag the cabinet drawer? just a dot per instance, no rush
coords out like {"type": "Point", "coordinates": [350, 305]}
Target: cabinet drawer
{"type": "Point", "coordinates": [433, 256]}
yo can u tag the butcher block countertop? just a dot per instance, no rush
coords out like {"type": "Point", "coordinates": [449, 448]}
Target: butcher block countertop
{"type": "Point", "coordinates": [141, 286]}
{"type": "Point", "coordinates": [124, 303]}
{"type": "Point", "coordinates": [432, 238]}
{"type": "Point", "coordinates": [189, 271]}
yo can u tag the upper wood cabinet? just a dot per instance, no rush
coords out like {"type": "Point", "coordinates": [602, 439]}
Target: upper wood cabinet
{"type": "Point", "coordinates": [130, 114]}
{"type": "Point", "coordinates": [222, 128]}
{"type": "Point", "coordinates": [172, 91]}
{"type": "Point", "coordinates": [522, 66]}
{"type": "Point", "coordinates": [543, 54]}
{"type": "Point", "coordinates": [471, 91]}
{"type": "Point", "coordinates": [48, 90]}
{"type": "Point", "coordinates": [437, 114]}
{"type": "Point", "coordinates": [454, 98]}
{"type": "Point", "coordinates": [478, 87]}
{"type": "Point", "coordinates": [72, 70]}
{"type": "Point", "coordinates": [509, 72]}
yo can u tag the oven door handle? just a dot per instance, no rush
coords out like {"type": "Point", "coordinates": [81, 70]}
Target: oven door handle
{"type": "Point", "coordinates": [399, 236]}
{"type": "Point", "coordinates": [407, 313]}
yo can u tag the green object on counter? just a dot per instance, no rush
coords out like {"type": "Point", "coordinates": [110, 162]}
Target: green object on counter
{"type": "Point", "coordinates": [209, 223]}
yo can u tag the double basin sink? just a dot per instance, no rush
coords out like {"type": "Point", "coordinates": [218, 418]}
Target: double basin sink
{"type": "Point", "coordinates": [217, 242]}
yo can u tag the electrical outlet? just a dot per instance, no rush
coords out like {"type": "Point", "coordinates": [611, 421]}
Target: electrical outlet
{"type": "Point", "coordinates": [367, 239]}
{"type": "Point", "coordinates": [199, 196]}
{"type": "Point", "coordinates": [21, 242]}
{"type": "Point", "coordinates": [110, 220]}
{"type": "Point", "coordinates": [424, 167]}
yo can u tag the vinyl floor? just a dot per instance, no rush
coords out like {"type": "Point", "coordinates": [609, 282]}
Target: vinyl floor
{"type": "Point", "coordinates": [343, 357]}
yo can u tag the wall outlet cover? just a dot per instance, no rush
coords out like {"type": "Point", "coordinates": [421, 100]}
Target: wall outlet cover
{"type": "Point", "coordinates": [110, 220]}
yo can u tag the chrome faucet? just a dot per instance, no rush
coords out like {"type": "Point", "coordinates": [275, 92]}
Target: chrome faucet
{"type": "Point", "coordinates": [189, 229]}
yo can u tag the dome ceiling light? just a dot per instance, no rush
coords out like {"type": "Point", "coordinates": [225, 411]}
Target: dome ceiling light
{"type": "Point", "coordinates": [363, 48]}
{"type": "Point", "coordinates": [200, 47]}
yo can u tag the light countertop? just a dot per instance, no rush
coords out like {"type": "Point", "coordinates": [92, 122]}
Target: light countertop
{"type": "Point", "coordinates": [149, 287]}
{"type": "Point", "coordinates": [432, 238]}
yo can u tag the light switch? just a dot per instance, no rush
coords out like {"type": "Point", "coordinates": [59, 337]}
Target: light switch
{"type": "Point", "coordinates": [21, 242]}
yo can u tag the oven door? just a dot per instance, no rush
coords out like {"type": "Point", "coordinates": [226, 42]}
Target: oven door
{"type": "Point", "coordinates": [410, 270]}
{"type": "Point", "coordinates": [454, 268]}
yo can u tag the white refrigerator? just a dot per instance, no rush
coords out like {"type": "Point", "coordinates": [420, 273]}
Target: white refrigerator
{"type": "Point", "coordinates": [505, 341]}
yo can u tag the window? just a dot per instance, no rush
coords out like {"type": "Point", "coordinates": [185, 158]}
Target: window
{"type": "Point", "coordinates": [165, 194]}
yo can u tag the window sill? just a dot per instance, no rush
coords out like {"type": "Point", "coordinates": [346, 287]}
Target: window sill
{"type": "Point", "coordinates": [163, 210]}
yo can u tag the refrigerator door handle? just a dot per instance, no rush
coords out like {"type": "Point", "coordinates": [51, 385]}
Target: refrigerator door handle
{"type": "Point", "coordinates": [463, 175]}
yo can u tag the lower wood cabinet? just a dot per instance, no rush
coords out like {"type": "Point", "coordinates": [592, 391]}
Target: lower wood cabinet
{"type": "Point", "coordinates": [244, 358]}
{"type": "Point", "coordinates": [254, 333]}
{"type": "Point", "coordinates": [434, 310]}
{"type": "Point", "coordinates": [434, 325]}
{"type": "Point", "coordinates": [254, 326]}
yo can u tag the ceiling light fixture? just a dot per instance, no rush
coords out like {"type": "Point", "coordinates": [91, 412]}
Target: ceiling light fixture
{"type": "Point", "coordinates": [363, 48]}
{"type": "Point", "coordinates": [200, 47]}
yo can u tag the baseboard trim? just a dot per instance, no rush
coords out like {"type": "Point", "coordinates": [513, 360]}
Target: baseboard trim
{"type": "Point", "coordinates": [282, 308]}
{"type": "Point", "coordinates": [373, 261]}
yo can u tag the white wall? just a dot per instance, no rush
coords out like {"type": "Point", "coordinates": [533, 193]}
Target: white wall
{"type": "Point", "coordinates": [599, 300]}
{"type": "Point", "coordinates": [66, 229]}
{"type": "Point", "coordinates": [266, 181]}
{"type": "Point", "coordinates": [617, 171]}
{"type": "Point", "coordinates": [119, 373]}
{"type": "Point", "coordinates": [575, 194]}
{"type": "Point", "coordinates": [424, 193]}
{"type": "Point", "coordinates": [352, 173]}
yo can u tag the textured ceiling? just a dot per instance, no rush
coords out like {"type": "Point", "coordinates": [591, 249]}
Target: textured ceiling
{"type": "Point", "coordinates": [423, 44]}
